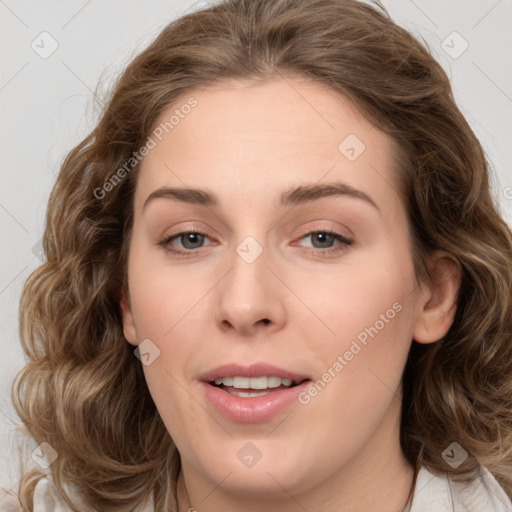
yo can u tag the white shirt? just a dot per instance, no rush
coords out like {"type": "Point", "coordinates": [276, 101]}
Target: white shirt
{"type": "Point", "coordinates": [432, 493]}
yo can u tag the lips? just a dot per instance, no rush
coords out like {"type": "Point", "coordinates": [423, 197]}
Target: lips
{"type": "Point", "coordinates": [251, 405]}
{"type": "Point", "coordinates": [254, 370]}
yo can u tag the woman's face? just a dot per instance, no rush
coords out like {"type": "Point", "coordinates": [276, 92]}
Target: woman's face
{"type": "Point", "coordinates": [264, 290]}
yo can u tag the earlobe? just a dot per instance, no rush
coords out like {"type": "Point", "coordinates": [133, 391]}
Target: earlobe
{"type": "Point", "coordinates": [440, 299]}
{"type": "Point", "coordinates": [129, 330]}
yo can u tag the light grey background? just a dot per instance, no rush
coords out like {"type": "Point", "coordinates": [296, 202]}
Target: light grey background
{"type": "Point", "coordinates": [47, 107]}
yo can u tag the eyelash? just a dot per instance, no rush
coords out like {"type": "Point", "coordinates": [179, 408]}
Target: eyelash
{"type": "Point", "coordinates": [344, 242]}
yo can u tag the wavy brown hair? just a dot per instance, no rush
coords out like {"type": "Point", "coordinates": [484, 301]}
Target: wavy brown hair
{"type": "Point", "coordinates": [84, 392]}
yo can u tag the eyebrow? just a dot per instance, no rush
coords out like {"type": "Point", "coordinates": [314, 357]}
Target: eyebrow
{"type": "Point", "coordinates": [295, 196]}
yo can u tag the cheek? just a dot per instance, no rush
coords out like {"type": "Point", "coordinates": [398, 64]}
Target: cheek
{"type": "Point", "coordinates": [369, 292]}
{"type": "Point", "coordinates": [185, 420]}
{"type": "Point", "coordinates": [359, 371]}
{"type": "Point", "coordinates": [163, 293]}
{"type": "Point", "coordinates": [369, 309]}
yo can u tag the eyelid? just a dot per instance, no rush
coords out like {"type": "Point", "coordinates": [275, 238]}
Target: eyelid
{"type": "Point", "coordinates": [326, 229]}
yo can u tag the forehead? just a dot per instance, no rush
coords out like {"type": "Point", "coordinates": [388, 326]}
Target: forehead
{"type": "Point", "coordinates": [245, 136]}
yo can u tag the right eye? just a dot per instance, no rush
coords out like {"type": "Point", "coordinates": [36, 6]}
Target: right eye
{"type": "Point", "coordinates": [190, 240]}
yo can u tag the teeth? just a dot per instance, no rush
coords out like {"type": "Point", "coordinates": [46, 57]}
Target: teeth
{"type": "Point", "coordinates": [247, 394]}
{"type": "Point", "coordinates": [253, 382]}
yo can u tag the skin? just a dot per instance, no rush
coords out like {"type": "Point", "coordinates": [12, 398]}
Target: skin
{"type": "Point", "coordinates": [247, 143]}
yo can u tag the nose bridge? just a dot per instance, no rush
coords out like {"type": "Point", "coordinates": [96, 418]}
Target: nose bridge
{"type": "Point", "coordinates": [246, 283]}
{"type": "Point", "coordinates": [247, 295]}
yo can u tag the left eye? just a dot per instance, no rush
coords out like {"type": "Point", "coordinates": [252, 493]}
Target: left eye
{"type": "Point", "coordinates": [328, 237]}
{"type": "Point", "coordinates": [192, 240]}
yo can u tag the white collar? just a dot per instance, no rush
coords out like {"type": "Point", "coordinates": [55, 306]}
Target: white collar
{"type": "Point", "coordinates": [440, 493]}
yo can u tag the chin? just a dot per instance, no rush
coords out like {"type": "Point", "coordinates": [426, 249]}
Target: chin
{"type": "Point", "coordinates": [261, 466]}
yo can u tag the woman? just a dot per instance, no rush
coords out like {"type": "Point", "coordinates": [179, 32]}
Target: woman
{"type": "Point", "coordinates": [340, 334]}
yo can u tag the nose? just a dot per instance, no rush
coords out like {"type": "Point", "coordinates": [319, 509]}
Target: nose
{"type": "Point", "coordinates": [250, 298]}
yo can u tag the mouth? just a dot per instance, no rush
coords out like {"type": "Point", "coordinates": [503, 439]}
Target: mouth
{"type": "Point", "coordinates": [252, 394]}
{"type": "Point", "coordinates": [249, 387]}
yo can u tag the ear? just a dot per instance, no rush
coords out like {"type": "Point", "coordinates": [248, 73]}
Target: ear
{"type": "Point", "coordinates": [439, 299]}
{"type": "Point", "coordinates": [129, 330]}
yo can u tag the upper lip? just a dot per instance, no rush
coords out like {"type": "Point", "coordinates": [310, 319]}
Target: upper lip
{"type": "Point", "coordinates": [253, 370]}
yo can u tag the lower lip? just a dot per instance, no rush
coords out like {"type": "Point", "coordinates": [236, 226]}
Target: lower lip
{"type": "Point", "coordinates": [254, 409]}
